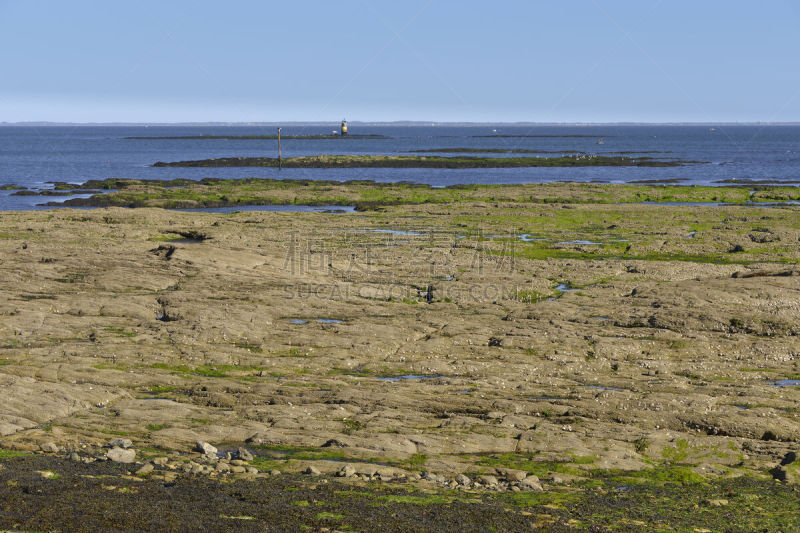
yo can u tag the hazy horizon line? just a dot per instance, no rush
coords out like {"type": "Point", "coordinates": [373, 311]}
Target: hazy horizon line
{"type": "Point", "coordinates": [392, 123]}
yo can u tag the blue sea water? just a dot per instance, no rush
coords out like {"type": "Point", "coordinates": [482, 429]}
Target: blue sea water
{"type": "Point", "coordinates": [32, 156]}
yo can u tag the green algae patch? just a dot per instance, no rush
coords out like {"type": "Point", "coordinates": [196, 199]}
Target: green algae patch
{"type": "Point", "coordinates": [365, 194]}
{"type": "Point", "coordinates": [8, 454]}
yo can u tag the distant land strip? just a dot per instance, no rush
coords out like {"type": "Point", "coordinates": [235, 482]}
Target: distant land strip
{"type": "Point", "coordinates": [372, 161]}
{"type": "Point", "coordinates": [257, 137]}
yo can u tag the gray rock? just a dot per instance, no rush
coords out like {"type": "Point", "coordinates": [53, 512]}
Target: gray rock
{"type": "Point", "coordinates": [489, 480]}
{"type": "Point", "coordinates": [160, 461]}
{"type": "Point", "coordinates": [238, 469]}
{"type": "Point", "coordinates": [531, 483]}
{"type": "Point", "coordinates": [223, 467]}
{"type": "Point", "coordinates": [121, 455]}
{"type": "Point", "coordinates": [252, 470]}
{"type": "Point", "coordinates": [75, 457]}
{"type": "Point", "coordinates": [206, 448]}
{"type": "Point", "coordinates": [243, 454]}
{"type": "Point", "coordinates": [238, 462]}
{"type": "Point", "coordinates": [347, 471]}
{"type": "Point", "coordinates": [121, 443]}
{"type": "Point", "coordinates": [145, 469]}
{"type": "Point", "coordinates": [274, 472]}
{"type": "Point", "coordinates": [366, 470]}
{"type": "Point", "coordinates": [515, 475]}
{"type": "Point", "coordinates": [312, 471]}
{"type": "Point", "coordinates": [461, 479]}
{"type": "Point", "coordinates": [50, 447]}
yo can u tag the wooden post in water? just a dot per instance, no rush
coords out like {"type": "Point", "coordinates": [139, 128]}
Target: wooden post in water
{"type": "Point", "coordinates": [280, 161]}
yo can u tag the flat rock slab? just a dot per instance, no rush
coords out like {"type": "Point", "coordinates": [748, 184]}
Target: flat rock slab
{"type": "Point", "coordinates": [28, 402]}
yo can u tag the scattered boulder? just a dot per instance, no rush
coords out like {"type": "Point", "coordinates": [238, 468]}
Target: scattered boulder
{"type": "Point", "coordinates": [145, 469]}
{"type": "Point", "coordinates": [347, 471]}
{"type": "Point", "coordinates": [243, 454]}
{"type": "Point", "coordinates": [531, 483]}
{"type": "Point", "coordinates": [488, 480]}
{"type": "Point", "coordinates": [50, 447]}
{"type": "Point", "coordinates": [122, 443]}
{"type": "Point", "coordinates": [121, 455]}
{"type": "Point", "coordinates": [312, 471]}
{"type": "Point", "coordinates": [515, 475]}
{"type": "Point", "coordinates": [205, 448]}
{"type": "Point", "coordinates": [461, 479]}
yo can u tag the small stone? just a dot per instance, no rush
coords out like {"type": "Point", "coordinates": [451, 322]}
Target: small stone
{"type": "Point", "coordinates": [347, 471]}
{"type": "Point", "coordinates": [244, 454]}
{"type": "Point", "coordinates": [718, 503]}
{"type": "Point", "coordinates": [223, 467]}
{"type": "Point", "coordinates": [121, 455]}
{"type": "Point", "coordinates": [489, 480]}
{"type": "Point", "coordinates": [274, 472]}
{"type": "Point", "coordinates": [197, 469]}
{"type": "Point", "coordinates": [121, 443]}
{"type": "Point", "coordinates": [145, 469]}
{"type": "Point", "coordinates": [161, 461]}
{"type": "Point", "coordinates": [205, 448]}
{"type": "Point", "coordinates": [50, 447]}
{"type": "Point", "coordinates": [461, 479]}
{"type": "Point", "coordinates": [312, 471]}
{"type": "Point", "coordinates": [75, 457]}
{"type": "Point", "coordinates": [238, 462]}
{"type": "Point", "coordinates": [252, 470]}
{"type": "Point", "coordinates": [238, 469]}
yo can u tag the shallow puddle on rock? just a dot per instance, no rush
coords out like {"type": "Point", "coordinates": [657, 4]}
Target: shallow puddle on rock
{"type": "Point", "coordinates": [410, 376]}
{"type": "Point", "coordinates": [322, 320]}
{"type": "Point", "coordinates": [395, 232]}
{"type": "Point", "coordinates": [527, 237]}
{"type": "Point", "coordinates": [785, 383]}
{"type": "Point", "coordinates": [187, 241]}
{"type": "Point", "coordinates": [561, 289]}
{"type": "Point", "coordinates": [600, 387]}
{"type": "Point", "coordinates": [580, 241]}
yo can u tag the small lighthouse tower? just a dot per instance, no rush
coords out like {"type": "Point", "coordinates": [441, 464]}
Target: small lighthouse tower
{"type": "Point", "coordinates": [344, 128]}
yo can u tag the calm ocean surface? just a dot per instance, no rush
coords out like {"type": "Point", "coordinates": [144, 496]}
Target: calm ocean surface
{"type": "Point", "coordinates": [32, 156]}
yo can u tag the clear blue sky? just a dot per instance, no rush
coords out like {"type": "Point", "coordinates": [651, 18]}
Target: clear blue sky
{"type": "Point", "coordinates": [438, 60]}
